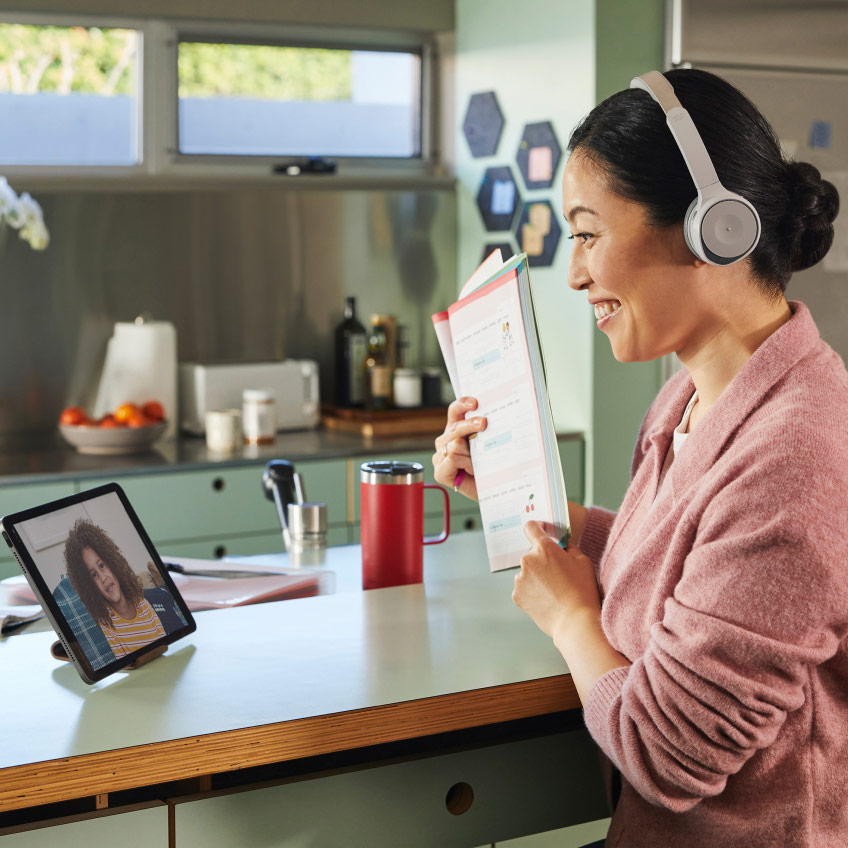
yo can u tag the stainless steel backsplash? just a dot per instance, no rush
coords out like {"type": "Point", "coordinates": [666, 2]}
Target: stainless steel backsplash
{"type": "Point", "coordinates": [245, 275]}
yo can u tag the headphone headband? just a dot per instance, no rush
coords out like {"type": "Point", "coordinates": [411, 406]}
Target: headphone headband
{"type": "Point", "coordinates": [720, 227]}
{"type": "Point", "coordinates": [682, 128]}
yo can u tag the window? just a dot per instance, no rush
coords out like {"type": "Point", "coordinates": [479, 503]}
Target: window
{"type": "Point", "coordinates": [268, 100]}
{"type": "Point", "coordinates": [68, 95]}
{"type": "Point", "coordinates": [92, 97]}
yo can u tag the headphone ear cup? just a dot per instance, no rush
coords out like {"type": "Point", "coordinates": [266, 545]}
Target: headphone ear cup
{"type": "Point", "coordinates": [723, 229]}
{"type": "Point", "coordinates": [692, 230]}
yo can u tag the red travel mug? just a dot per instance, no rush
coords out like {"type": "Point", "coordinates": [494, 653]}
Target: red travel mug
{"type": "Point", "coordinates": [393, 523]}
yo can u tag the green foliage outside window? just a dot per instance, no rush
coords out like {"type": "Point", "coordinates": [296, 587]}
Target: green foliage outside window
{"type": "Point", "coordinates": [273, 73]}
{"type": "Point", "coordinates": [92, 60]}
{"type": "Point", "coordinates": [67, 59]}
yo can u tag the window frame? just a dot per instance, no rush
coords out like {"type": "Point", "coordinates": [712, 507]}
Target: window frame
{"type": "Point", "coordinates": [158, 105]}
{"type": "Point", "coordinates": [141, 108]}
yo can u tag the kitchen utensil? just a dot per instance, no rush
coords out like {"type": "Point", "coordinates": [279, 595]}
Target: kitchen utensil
{"type": "Point", "coordinates": [392, 498]}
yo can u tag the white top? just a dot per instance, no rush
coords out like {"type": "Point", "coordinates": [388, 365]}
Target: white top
{"type": "Point", "coordinates": [679, 436]}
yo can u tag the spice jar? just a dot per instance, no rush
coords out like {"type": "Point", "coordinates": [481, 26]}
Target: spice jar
{"type": "Point", "coordinates": [259, 417]}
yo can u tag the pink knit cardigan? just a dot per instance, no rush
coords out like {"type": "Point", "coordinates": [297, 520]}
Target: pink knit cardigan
{"type": "Point", "coordinates": [730, 597]}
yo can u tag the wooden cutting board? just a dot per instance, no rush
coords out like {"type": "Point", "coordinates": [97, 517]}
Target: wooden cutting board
{"type": "Point", "coordinates": [391, 422]}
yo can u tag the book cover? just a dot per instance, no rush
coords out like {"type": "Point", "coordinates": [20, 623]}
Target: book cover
{"type": "Point", "coordinates": [492, 352]}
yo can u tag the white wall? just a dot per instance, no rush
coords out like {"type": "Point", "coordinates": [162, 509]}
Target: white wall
{"type": "Point", "coordinates": [540, 60]}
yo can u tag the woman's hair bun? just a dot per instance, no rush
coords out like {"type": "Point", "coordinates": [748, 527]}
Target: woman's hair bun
{"type": "Point", "coordinates": [813, 207]}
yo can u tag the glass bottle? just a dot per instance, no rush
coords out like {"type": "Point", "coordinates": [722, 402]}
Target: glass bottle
{"type": "Point", "coordinates": [351, 347]}
{"type": "Point", "coordinates": [377, 370]}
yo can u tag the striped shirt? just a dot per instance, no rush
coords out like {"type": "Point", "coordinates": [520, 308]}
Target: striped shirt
{"type": "Point", "coordinates": [128, 635]}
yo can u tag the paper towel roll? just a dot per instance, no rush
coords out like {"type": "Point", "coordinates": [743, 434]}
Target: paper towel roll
{"type": "Point", "coordinates": [141, 365]}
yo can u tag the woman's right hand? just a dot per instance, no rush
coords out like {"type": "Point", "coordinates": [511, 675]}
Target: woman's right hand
{"type": "Point", "coordinates": [453, 453]}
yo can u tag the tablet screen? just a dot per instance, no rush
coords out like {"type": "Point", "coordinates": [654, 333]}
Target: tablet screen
{"type": "Point", "coordinates": [98, 575]}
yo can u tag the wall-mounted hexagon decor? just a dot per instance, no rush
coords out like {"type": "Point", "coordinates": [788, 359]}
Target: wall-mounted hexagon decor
{"type": "Point", "coordinates": [498, 198]}
{"type": "Point", "coordinates": [538, 233]}
{"type": "Point", "coordinates": [507, 250]}
{"type": "Point", "coordinates": [538, 155]}
{"type": "Point", "coordinates": [483, 124]}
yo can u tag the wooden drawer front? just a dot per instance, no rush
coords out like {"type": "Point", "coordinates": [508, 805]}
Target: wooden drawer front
{"type": "Point", "coordinates": [518, 788]}
{"type": "Point", "coordinates": [459, 504]}
{"type": "Point", "coordinates": [260, 543]}
{"type": "Point", "coordinates": [17, 498]}
{"type": "Point", "coordinates": [136, 829]}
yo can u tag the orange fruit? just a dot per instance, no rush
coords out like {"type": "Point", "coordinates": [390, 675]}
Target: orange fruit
{"type": "Point", "coordinates": [154, 410]}
{"type": "Point", "coordinates": [138, 419]}
{"type": "Point", "coordinates": [108, 421]}
{"type": "Point", "coordinates": [125, 411]}
{"type": "Point", "coordinates": [73, 415]}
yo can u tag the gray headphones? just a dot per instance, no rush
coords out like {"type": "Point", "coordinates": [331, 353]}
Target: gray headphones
{"type": "Point", "coordinates": [720, 227]}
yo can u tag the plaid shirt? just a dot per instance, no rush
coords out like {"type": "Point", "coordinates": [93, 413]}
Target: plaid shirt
{"type": "Point", "coordinates": [85, 629]}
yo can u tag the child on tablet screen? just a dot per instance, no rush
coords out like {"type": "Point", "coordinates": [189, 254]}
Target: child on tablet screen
{"type": "Point", "coordinates": [111, 591]}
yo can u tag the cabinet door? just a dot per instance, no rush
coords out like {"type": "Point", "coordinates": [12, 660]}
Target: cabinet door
{"type": "Point", "coordinates": [467, 798]}
{"type": "Point", "coordinates": [14, 498]}
{"type": "Point", "coordinates": [224, 502]}
{"type": "Point", "coordinates": [135, 829]}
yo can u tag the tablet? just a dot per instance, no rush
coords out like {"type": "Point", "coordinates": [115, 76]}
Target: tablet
{"type": "Point", "coordinates": [99, 579]}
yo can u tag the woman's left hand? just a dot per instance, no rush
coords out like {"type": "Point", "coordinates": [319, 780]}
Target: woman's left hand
{"type": "Point", "coordinates": [554, 585]}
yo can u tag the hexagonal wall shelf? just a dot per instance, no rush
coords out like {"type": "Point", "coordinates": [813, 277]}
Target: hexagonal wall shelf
{"type": "Point", "coordinates": [538, 233]}
{"type": "Point", "coordinates": [498, 198]}
{"type": "Point", "coordinates": [483, 124]}
{"type": "Point", "coordinates": [538, 155]}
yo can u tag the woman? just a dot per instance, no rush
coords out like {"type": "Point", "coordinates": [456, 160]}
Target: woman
{"type": "Point", "coordinates": [110, 590]}
{"type": "Point", "coordinates": [704, 624]}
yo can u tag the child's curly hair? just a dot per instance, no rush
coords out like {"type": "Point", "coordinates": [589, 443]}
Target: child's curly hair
{"type": "Point", "coordinates": [85, 534]}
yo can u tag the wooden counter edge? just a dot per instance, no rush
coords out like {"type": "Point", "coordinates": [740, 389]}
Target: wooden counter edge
{"type": "Point", "coordinates": [145, 765]}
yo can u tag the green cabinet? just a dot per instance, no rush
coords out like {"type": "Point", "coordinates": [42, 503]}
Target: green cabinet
{"type": "Point", "coordinates": [14, 498]}
{"type": "Point", "coordinates": [135, 828]}
{"type": "Point", "coordinates": [220, 510]}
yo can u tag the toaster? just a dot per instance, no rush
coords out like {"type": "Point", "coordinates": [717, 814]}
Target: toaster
{"type": "Point", "coordinates": [293, 383]}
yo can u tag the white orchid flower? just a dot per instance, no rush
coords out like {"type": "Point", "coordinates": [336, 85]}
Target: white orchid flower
{"type": "Point", "coordinates": [9, 205]}
{"type": "Point", "coordinates": [23, 213]}
{"type": "Point", "coordinates": [36, 235]}
{"type": "Point", "coordinates": [30, 210]}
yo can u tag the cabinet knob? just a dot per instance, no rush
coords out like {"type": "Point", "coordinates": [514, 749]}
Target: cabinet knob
{"type": "Point", "coordinates": [218, 484]}
{"type": "Point", "coordinates": [220, 551]}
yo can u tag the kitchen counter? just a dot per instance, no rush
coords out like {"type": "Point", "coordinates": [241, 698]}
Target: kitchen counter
{"type": "Point", "coordinates": [55, 460]}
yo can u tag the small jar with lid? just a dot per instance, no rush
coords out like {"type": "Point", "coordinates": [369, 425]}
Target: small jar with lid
{"type": "Point", "coordinates": [259, 417]}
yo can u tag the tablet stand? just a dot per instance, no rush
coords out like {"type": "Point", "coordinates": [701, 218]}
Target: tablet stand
{"type": "Point", "coordinates": [57, 651]}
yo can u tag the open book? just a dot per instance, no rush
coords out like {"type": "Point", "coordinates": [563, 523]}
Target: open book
{"type": "Point", "coordinates": [491, 350]}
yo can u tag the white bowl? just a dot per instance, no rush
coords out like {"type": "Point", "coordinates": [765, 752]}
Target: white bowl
{"type": "Point", "coordinates": [89, 438]}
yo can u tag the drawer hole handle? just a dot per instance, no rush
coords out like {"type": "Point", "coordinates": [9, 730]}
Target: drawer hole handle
{"type": "Point", "coordinates": [470, 523]}
{"type": "Point", "coordinates": [459, 799]}
{"type": "Point", "coordinates": [218, 484]}
{"type": "Point", "coordinates": [220, 551]}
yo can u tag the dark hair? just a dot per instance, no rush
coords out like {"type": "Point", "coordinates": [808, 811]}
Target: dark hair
{"type": "Point", "coordinates": [627, 137]}
{"type": "Point", "coordinates": [86, 534]}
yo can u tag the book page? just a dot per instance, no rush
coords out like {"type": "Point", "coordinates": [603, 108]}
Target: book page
{"type": "Point", "coordinates": [509, 462]}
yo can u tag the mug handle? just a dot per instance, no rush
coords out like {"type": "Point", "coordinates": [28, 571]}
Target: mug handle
{"type": "Point", "coordinates": [437, 540]}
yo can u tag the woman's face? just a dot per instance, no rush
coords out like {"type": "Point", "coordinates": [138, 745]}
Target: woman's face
{"type": "Point", "coordinates": [635, 275]}
{"type": "Point", "coordinates": [102, 576]}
